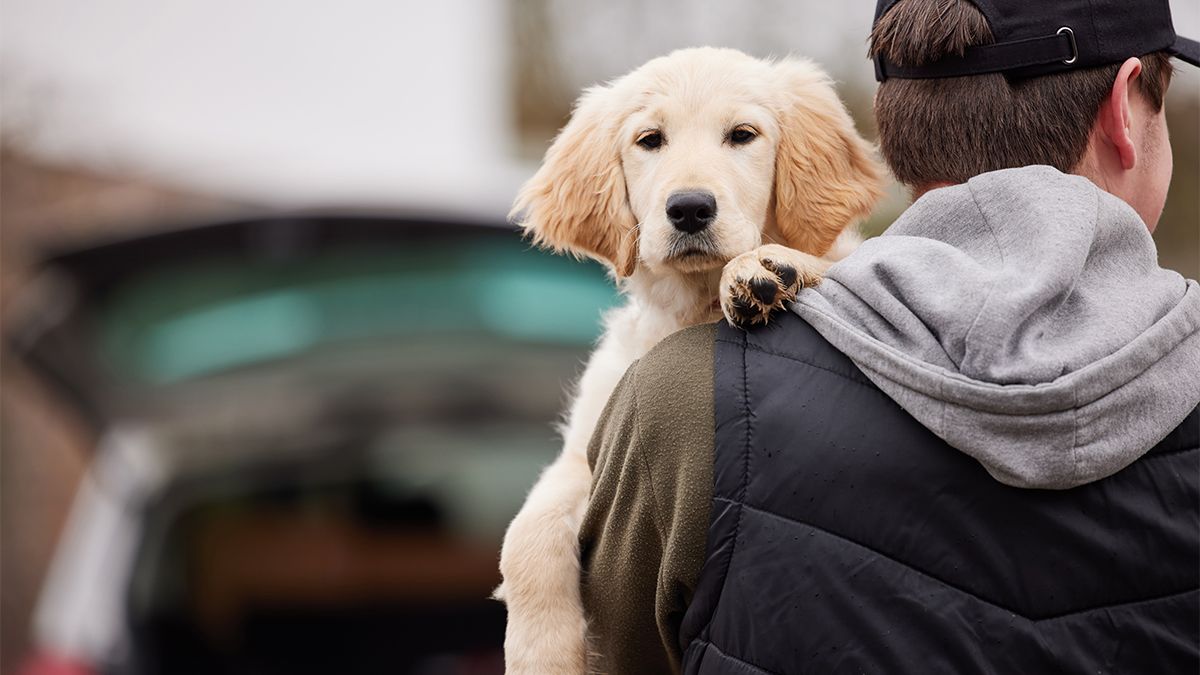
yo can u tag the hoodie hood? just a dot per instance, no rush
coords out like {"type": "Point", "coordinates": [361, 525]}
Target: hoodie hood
{"type": "Point", "coordinates": [1023, 318]}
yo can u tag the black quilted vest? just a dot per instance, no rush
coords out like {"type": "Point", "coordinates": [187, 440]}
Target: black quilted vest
{"type": "Point", "coordinates": [847, 538]}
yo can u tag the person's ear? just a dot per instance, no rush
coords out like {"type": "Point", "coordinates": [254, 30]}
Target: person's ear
{"type": "Point", "coordinates": [1116, 120]}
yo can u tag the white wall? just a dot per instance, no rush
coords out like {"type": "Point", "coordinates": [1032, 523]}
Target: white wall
{"type": "Point", "coordinates": [360, 101]}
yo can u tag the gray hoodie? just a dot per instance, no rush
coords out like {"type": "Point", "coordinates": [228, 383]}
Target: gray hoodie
{"type": "Point", "coordinates": [1023, 318]}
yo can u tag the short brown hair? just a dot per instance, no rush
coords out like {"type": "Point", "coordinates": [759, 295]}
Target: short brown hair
{"type": "Point", "coordinates": [950, 129]}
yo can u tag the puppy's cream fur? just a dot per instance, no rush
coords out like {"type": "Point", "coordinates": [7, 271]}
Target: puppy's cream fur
{"type": "Point", "coordinates": [802, 179]}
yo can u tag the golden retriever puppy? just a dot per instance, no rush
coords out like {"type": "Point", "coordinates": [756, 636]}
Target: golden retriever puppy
{"type": "Point", "coordinates": [674, 176]}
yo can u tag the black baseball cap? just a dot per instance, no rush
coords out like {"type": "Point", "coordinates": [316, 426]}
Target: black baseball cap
{"type": "Point", "coordinates": [1040, 37]}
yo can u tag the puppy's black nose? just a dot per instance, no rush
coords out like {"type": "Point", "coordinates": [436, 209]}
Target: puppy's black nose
{"type": "Point", "coordinates": [691, 211]}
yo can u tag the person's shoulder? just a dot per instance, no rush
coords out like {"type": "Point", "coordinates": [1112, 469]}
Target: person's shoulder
{"type": "Point", "coordinates": [647, 514]}
{"type": "Point", "coordinates": [673, 382]}
{"type": "Point", "coordinates": [661, 392]}
{"type": "Point", "coordinates": [674, 368]}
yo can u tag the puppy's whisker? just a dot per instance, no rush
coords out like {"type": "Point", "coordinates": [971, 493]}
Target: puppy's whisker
{"type": "Point", "coordinates": [636, 233]}
{"type": "Point", "coordinates": [700, 242]}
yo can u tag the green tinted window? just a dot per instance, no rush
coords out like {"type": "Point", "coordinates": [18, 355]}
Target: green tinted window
{"type": "Point", "coordinates": [207, 317]}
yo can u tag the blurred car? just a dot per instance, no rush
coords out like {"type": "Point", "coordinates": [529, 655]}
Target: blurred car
{"type": "Point", "coordinates": [312, 433]}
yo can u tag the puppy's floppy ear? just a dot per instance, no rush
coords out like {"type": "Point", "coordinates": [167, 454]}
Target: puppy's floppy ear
{"type": "Point", "coordinates": [826, 175]}
{"type": "Point", "coordinates": [576, 202]}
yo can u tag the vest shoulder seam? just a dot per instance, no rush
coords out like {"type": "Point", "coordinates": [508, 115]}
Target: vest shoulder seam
{"type": "Point", "coordinates": [745, 486]}
{"type": "Point", "coordinates": [862, 380]}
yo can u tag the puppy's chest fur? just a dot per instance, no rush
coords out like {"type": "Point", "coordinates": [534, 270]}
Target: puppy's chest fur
{"type": "Point", "coordinates": [656, 305]}
{"type": "Point", "coordinates": [660, 304]}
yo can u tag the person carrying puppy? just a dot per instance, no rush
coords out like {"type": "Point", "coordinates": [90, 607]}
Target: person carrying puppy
{"type": "Point", "coordinates": [975, 447]}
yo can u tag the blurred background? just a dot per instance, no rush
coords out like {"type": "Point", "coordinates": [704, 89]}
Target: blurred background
{"type": "Point", "coordinates": [276, 373]}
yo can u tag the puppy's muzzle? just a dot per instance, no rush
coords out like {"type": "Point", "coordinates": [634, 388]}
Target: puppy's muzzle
{"type": "Point", "coordinates": [691, 212]}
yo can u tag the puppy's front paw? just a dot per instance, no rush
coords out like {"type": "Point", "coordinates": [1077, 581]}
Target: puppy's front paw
{"type": "Point", "coordinates": [762, 281]}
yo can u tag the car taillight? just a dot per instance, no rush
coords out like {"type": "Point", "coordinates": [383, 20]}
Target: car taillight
{"type": "Point", "coordinates": [50, 664]}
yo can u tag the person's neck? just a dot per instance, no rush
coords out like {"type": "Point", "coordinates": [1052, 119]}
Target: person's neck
{"type": "Point", "coordinates": [1092, 168]}
{"type": "Point", "coordinates": [1086, 168]}
{"type": "Point", "coordinates": [919, 191]}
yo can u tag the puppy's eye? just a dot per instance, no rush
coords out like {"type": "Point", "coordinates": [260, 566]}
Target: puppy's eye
{"type": "Point", "coordinates": [650, 140]}
{"type": "Point", "coordinates": [742, 135]}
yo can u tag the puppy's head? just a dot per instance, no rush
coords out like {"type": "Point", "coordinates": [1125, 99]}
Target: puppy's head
{"type": "Point", "coordinates": [697, 157]}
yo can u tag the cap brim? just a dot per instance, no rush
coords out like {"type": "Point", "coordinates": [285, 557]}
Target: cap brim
{"type": "Point", "coordinates": [1188, 50]}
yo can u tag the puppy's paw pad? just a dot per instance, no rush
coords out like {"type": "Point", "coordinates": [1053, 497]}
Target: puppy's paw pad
{"type": "Point", "coordinates": [786, 274]}
{"type": "Point", "coordinates": [748, 302]}
{"type": "Point", "coordinates": [753, 289]}
{"type": "Point", "coordinates": [764, 290]}
{"type": "Point", "coordinates": [739, 308]}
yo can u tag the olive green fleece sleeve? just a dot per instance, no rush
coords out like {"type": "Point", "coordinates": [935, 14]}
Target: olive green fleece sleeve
{"type": "Point", "coordinates": [643, 537]}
